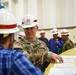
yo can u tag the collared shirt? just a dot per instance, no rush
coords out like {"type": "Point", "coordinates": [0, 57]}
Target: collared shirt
{"type": "Point", "coordinates": [53, 47]}
{"type": "Point", "coordinates": [13, 62]}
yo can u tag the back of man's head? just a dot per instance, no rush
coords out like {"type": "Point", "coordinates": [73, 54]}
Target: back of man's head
{"type": "Point", "coordinates": [8, 24]}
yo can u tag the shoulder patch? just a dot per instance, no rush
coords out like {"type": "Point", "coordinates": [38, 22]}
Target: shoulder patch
{"type": "Point", "coordinates": [17, 45]}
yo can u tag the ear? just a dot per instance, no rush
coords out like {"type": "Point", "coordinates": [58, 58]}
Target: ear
{"type": "Point", "coordinates": [37, 27]}
{"type": "Point", "coordinates": [11, 37]}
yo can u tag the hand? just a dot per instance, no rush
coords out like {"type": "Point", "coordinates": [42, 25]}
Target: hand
{"type": "Point", "coordinates": [56, 58]}
{"type": "Point", "coordinates": [56, 41]}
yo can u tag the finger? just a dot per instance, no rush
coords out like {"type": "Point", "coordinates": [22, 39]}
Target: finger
{"type": "Point", "coordinates": [60, 59]}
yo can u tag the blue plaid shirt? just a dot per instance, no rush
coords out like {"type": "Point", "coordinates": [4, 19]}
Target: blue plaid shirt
{"type": "Point", "coordinates": [13, 62]}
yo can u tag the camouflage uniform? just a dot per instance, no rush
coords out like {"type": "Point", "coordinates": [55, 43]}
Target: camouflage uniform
{"type": "Point", "coordinates": [68, 45]}
{"type": "Point", "coordinates": [36, 51]}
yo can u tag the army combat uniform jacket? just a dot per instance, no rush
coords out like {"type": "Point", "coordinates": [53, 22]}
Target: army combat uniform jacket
{"type": "Point", "coordinates": [68, 45]}
{"type": "Point", "coordinates": [36, 51]}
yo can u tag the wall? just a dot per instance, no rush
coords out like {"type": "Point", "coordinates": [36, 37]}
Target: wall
{"type": "Point", "coordinates": [50, 13]}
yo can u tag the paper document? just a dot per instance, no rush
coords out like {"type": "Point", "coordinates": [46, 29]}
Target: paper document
{"type": "Point", "coordinates": [62, 71]}
{"type": "Point", "coordinates": [66, 68]}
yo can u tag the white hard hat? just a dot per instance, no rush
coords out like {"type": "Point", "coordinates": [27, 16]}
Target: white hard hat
{"type": "Point", "coordinates": [42, 31]}
{"type": "Point", "coordinates": [21, 34]}
{"type": "Point", "coordinates": [29, 21]}
{"type": "Point", "coordinates": [8, 23]}
{"type": "Point", "coordinates": [54, 31]}
{"type": "Point", "coordinates": [64, 32]}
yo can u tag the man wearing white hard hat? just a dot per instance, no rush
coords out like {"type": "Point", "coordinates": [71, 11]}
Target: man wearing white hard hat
{"type": "Point", "coordinates": [43, 38]}
{"type": "Point", "coordinates": [33, 48]}
{"type": "Point", "coordinates": [21, 35]}
{"type": "Point", "coordinates": [12, 62]}
{"type": "Point", "coordinates": [55, 43]}
{"type": "Point", "coordinates": [68, 44]}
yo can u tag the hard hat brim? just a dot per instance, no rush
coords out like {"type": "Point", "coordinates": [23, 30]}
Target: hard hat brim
{"type": "Point", "coordinates": [55, 33]}
{"type": "Point", "coordinates": [31, 25]}
{"type": "Point", "coordinates": [65, 34]}
{"type": "Point", "coordinates": [8, 31]}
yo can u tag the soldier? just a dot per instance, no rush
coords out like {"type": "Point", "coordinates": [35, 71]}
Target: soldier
{"type": "Point", "coordinates": [12, 62]}
{"type": "Point", "coordinates": [68, 44]}
{"type": "Point", "coordinates": [33, 48]}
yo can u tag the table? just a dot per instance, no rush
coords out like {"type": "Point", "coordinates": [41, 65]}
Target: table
{"type": "Point", "coordinates": [68, 52]}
